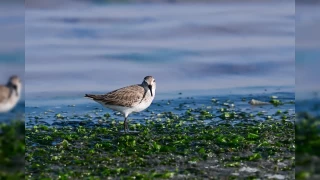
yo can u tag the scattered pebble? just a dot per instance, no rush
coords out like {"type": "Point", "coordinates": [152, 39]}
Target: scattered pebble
{"type": "Point", "coordinates": [256, 102]}
{"type": "Point", "coordinates": [248, 169]}
{"type": "Point", "coordinates": [275, 176]}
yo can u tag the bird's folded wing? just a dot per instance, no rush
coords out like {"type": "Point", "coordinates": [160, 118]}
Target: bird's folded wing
{"type": "Point", "coordinates": [127, 96]}
{"type": "Point", "coordinates": [4, 93]}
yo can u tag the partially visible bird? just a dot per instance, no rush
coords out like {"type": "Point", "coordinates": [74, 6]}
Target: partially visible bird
{"type": "Point", "coordinates": [10, 94]}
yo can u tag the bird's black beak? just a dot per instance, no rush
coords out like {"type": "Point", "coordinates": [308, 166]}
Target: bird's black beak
{"type": "Point", "coordinates": [15, 88]}
{"type": "Point", "coordinates": [150, 87]}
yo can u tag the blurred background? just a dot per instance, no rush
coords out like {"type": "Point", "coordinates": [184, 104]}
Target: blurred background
{"type": "Point", "coordinates": [307, 89]}
{"type": "Point", "coordinates": [12, 50]}
{"type": "Point", "coordinates": [76, 47]}
{"type": "Point", "coordinates": [12, 131]}
{"type": "Point", "coordinates": [307, 52]}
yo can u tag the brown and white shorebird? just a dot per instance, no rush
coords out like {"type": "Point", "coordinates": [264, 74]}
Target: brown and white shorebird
{"type": "Point", "coordinates": [134, 98]}
{"type": "Point", "coordinates": [10, 94]}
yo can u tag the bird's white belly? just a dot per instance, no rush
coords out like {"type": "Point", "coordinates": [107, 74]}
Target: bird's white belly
{"type": "Point", "coordinates": [122, 109]}
{"type": "Point", "coordinates": [142, 106]}
{"type": "Point", "coordinates": [5, 107]}
{"type": "Point", "coordinates": [8, 105]}
{"type": "Point", "coordinates": [128, 110]}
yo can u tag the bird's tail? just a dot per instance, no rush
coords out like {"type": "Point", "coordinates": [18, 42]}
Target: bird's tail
{"type": "Point", "coordinates": [91, 96]}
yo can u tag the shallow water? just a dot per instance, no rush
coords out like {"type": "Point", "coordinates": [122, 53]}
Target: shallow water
{"type": "Point", "coordinates": [307, 50]}
{"type": "Point", "coordinates": [100, 48]}
{"type": "Point", "coordinates": [218, 49]}
{"type": "Point", "coordinates": [307, 58]}
{"type": "Point", "coordinates": [73, 109]}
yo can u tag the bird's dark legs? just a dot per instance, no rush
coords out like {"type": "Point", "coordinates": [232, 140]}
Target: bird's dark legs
{"type": "Point", "coordinates": [125, 125]}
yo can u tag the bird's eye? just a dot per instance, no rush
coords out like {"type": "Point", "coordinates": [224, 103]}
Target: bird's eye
{"type": "Point", "coordinates": [154, 80]}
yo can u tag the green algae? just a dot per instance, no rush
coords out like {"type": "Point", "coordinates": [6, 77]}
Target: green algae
{"type": "Point", "coordinates": [215, 139]}
{"type": "Point", "coordinates": [169, 147]}
{"type": "Point", "coordinates": [12, 150]}
{"type": "Point", "coordinates": [307, 130]}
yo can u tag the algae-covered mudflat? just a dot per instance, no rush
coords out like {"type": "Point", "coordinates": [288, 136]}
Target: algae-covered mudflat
{"type": "Point", "coordinates": [12, 149]}
{"type": "Point", "coordinates": [181, 138]}
{"type": "Point", "coordinates": [307, 133]}
{"type": "Point", "coordinates": [308, 144]}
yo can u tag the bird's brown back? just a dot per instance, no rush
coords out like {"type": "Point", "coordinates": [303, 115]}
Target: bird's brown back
{"type": "Point", "coordinates": [126, 96]}
{"type": "Point", "coordinates": [4, 93]}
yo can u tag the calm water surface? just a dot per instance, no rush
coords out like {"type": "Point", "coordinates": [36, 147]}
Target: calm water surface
{"type": "Point", "coordinates": [307, 58]}
{"type": "Point", "coordinates": [201, 50]}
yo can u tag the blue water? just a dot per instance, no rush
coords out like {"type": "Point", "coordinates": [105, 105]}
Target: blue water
{"type": "Point", "coordinates": [307, 58]}
{"type": "Point", "coordinates": [203, 50]}
{"type": "Point", "coordinates": [12, 57]}
{"type": "Point", "coordinates": [185, 46]}
{"type": "Point", "coordinates": [75, 109]}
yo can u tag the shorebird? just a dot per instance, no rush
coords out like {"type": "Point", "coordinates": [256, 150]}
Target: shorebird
{"type": "Point", "coordinates": [10, 94]}
{"type": "Point", "coordinates": [134, 98]}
